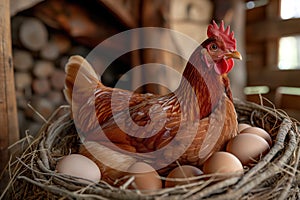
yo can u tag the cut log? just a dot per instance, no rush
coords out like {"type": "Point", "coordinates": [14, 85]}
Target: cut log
{"type": "Point", "coordinates": [58, 79]}
{"type": "Point", "coordinates": [56, 97]}
{"type": "Point", "coordinates": [33, 34]}
{"type": "Point", "coordinates": [21, 100]}
{"type": "Point", "coordinates": [41, 86]}
{"type": "Point", "coordinates": [23, 60]}
{"type": "Point", "coordinates": [62, 42]}
{"type": "Point", "coordinates": [23, 80]}
{"type": "Point", "coordinates": [62, 62]}
{"type": "Point", "coordinates": [16, 23]}
{"type": "Point", "coordinates": [43, 69]}
{"type": "Point", "coordinates": [50, 51]}
{"type": "Point", "coordinates": [43, 106]}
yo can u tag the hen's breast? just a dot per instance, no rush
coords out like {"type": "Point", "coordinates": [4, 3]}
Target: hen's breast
{"type": "Point", "coordinates": [213, 133]}
{"type": "Point", "coordinates": [157, 128]}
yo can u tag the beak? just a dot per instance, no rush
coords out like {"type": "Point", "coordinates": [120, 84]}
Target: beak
{"type": "Point", "coordinates": [234, 54]}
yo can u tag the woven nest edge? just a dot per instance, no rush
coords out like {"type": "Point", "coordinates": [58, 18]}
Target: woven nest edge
{"type": "Point", "coordinates": [32, 174]}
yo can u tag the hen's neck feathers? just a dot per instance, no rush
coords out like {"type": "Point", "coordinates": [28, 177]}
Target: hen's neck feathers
{"type": "Point", "coordinates": [202, 83]}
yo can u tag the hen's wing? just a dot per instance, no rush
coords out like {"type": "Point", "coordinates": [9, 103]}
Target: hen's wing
{"type": "Point", "coordinates": [143, 127]}
{"type": "Point", "coordinates": [91, 101]}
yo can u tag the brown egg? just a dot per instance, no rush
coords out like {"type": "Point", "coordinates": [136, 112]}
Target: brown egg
{"type": "Point", "coordinates": [79, 166]}
{"type": "Point", "coordinates": [260, 132]}
{"type": "Point", "coordinates": [145, 177]}
{"type": "Point", "coordinates": [222, 162]}
{"type": "Point", "coordinates": [182, 173]}
{"type": "Point", "coordinates": [242, 126]}
{"type": "Point", "coordinates": [247, 147]}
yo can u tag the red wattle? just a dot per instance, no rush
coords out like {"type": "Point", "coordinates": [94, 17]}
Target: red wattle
{"type": "Point", "coordinates": [224, 66]}
{"type": "Point", "coordinates": [230, 64]}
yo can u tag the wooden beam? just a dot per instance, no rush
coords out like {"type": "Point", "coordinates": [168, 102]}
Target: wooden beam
{"type": "Point", "coordinates": [274, 78]}
{"type": "Point", "coordinates": [233, 13]}
{"type": "Point", "coordinates": [20, 5]}
{"type": "Point", "coordinates": [273, 9]}
{"type": "Point", "coordinates": [120, 12]}
{"type": "Point", "coordinates": [272, 45]}
{"type": "Point", "coordinates": [272, 29]}
{"type": "Point", "coordinates": [8, 110]}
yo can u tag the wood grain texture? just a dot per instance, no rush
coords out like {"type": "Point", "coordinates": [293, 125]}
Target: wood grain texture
{"type": "Point", "coordinates": [8, 110]}
{"type": "Point", "coordinates": [272, 29]}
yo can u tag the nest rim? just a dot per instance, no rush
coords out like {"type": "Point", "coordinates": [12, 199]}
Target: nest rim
{"type": "Point", "coordinates": [283, 158]}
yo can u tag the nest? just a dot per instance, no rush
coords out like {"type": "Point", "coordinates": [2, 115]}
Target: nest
{"type": "Point", "coordinates": [276, 176]}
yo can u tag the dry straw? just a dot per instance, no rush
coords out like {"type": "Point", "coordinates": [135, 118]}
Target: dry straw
{"type": "Point", "coordinates": [31, 174]}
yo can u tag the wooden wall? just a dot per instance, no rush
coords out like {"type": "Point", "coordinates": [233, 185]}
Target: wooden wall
{"type": "Point", "coordinates": [264, 27]}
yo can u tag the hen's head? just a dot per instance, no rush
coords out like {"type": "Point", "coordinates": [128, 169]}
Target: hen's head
{"type": "Point", "coordinates": [220, 48]}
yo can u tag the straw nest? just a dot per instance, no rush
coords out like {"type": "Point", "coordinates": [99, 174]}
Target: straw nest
{"type": "Point", "coordinates": [276, 176]}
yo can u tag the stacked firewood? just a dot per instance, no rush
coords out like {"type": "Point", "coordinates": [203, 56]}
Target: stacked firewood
{"type": "Point", "coordinates": [46, 33]}
{"type": "Point", "coordinates": [39, 56]}
{"type": "Point", "coordinates": [44, 36]}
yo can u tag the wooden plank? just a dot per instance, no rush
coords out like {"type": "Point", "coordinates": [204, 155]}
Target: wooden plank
{"type": "Point", "coordinates": [8, 110]}
{"type": "Point", "coordinates": [233, 14]}
{"type": "Point", "coordinates": [121, 12]}
{"type": "Point", "coordinates": [272, 29]}
{"type": "Point", "coordinates": [255, 14]}
{"type": "Point", "coordinates": [263, 99]}
{"type": "Point", "coordinates": [271, 57]}
{"type": "Point", "coordinates": [152, 15]}
{"type": "Point", "coordinates": [293, 113]}
{"type": "Point", "coordinates": [288, 101]}
{"type": "Point", "coordinates": [274, 78]}
{"type": "Point", "coordinates": [20, 5]}
{"type": "Point", "coordinates": [255, 59]}
{"type": "Point", "coordinates": [273, 9]}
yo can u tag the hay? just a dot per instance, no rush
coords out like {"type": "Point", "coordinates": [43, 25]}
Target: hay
{"type": "Point", "coordinates": [276, 176]}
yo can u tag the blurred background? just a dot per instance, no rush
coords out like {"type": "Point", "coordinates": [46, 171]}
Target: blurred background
{"type": "Point", "coordinates": [45, 33]}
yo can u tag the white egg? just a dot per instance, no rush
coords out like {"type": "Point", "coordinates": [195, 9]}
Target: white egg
{"type": "Point", "coordinates": [79, 166]}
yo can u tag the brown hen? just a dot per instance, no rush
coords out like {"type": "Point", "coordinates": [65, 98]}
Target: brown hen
{"type": "Point", "coordinates": [184, 126]}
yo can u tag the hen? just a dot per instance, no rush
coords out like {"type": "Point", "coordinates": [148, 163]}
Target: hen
{"type": "Point", "coordinates": [184, 126]}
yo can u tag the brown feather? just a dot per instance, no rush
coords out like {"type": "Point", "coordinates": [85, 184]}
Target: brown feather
{"type": "Point", "coordinates": [187, 126]}
{"type": "Point", "coordinates": [94, 115]}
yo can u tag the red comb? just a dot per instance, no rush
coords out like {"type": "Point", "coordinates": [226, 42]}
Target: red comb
{"type": "Point", "coordinates": [214, 30]}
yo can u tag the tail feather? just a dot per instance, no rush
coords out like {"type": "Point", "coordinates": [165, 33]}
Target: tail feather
{"type": "Point", "coordinates": [80, 71]}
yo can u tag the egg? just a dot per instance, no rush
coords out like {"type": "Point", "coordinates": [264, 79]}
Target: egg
{"type": "Point", "coordinates": [79, 166]}
{"type": "Point", "coordinates": [248, 148]}
{"type": "Point", "coordinates": [242, 126]}
{"type": "Point", "coordinates": [260, 132]}
{"type": "Point", "coordinates": [222, 162]}
{"type": "Point", "coordinates": [182, 173]}
{"type": "Point", "coordinates": [145, 177]}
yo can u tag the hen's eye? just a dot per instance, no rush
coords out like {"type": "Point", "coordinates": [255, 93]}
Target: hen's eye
{"type": "Point", "coordinates": [214, 47]}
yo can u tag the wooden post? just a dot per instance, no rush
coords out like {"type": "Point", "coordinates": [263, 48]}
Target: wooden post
{"type": "Point", "coordinates": [153, 14]}
{"type": "Point", "coordinates": [9, 131]}
{"type": "Point", "coordinates": [233, 13]}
